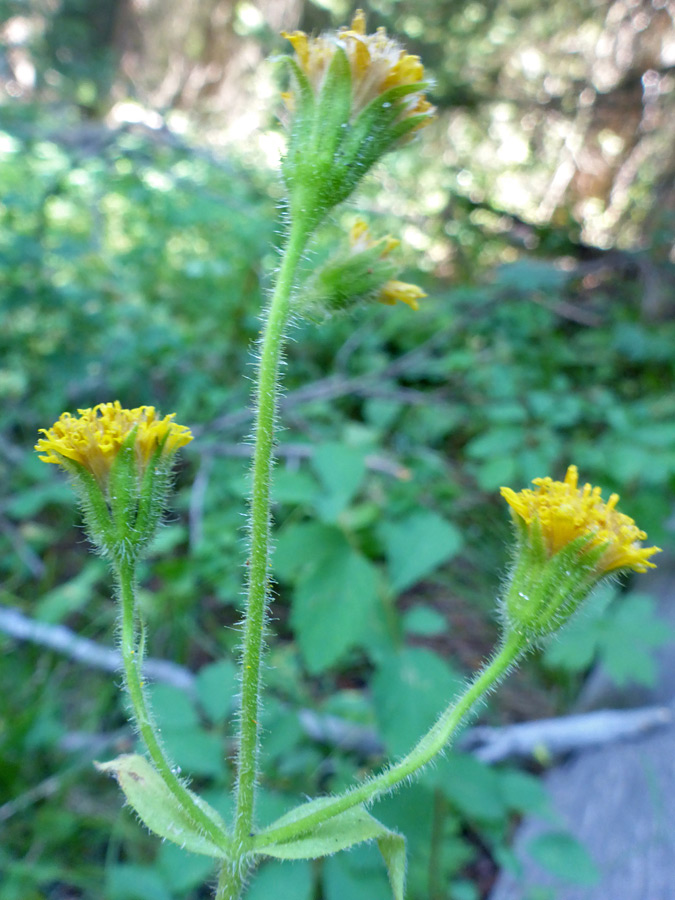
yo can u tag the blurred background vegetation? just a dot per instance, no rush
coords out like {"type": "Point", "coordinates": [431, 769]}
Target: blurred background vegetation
{"type": "Point", "coordinates": [139, 227]}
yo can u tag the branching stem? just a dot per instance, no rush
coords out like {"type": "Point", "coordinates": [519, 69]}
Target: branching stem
{"type": "Point", "coordinates": [426, 748]}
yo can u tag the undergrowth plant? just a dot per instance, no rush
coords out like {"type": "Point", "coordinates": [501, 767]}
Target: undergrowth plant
{"type": "Point", "coordinates": [354, 97]}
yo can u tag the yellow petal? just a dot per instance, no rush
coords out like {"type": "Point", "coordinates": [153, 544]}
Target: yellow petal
{"type": "Point", "coordinates": [401, 290]}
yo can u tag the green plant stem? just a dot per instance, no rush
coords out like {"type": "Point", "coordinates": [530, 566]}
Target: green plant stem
{"type": "Point", "coordinates": [231, 881]}
{"type": "Point", "coordinates": [267, 392]}
{"type": "Point", "coordinates": [132, 662]}
{"type": "Point", "coordinates": [427, 747]}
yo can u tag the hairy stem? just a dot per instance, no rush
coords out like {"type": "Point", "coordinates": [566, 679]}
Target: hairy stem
{"type": "Point", "coordinates": [131, 654]}
{"type": "Point", "coordinates": [267, 392]}
{"type": "Point", "coordinates": [427, 747]}
{"type": "Point", "coordinates": [232, 880]}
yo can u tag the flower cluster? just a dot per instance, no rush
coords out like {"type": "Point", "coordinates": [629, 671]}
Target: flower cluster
{"type": "Point", "coordinates": [95, 438]}
{"type": "Point", "coordinates": [569, 540]}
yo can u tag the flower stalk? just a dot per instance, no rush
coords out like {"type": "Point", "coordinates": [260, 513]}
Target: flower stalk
{"type": "Point", "coordinates": [132, 657]}
{"type": "Point", "coordinates": [429, 746]}
{"type": "Point", "coordinates": [258, 584]}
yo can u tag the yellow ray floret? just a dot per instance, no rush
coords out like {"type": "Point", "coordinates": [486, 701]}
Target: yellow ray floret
{"type": "Point", "coordinates": [566, 512]}
{"type": "Point", "coordinates": [377, 63]}
{"type": "Point", "coordinates": [402, 291]}
{"type": "Point", "coordinates": [361, 240]}
{"type": "Point", "coordinates": [94, 439]}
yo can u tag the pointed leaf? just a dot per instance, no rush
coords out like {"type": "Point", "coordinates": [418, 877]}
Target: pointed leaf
{"type": "Point", "coordinates": [392, 848]}
{"type": "Point", "coordinates": [158, 808]}
{"type": "Point", "coordinates": [354, 826]}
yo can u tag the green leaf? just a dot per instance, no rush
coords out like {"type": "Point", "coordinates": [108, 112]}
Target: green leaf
{"type": "Point", "coordinates": [293, 487]}
{"type": "Point", "coordinates": [172, 707]}
{"type": "Point", "coordinates": [216, 686]}
{"type": "Point", "coordinates": [496, 471]}
{"type": "Point", "coordinates": [72, 596]}
{"type": "Point", "coordinates": [392, 848]}
{"type": "Point", "coordinates": [346, 878]}
{"type": "Point", "coordinates": [563, 856]}
{"type": "Point", "coordinates": [424, 620]}
{"type": "Point", "coordinates": [410, 689]}
{"type": "Point", "coordinates": [134, 882]}
{"type": "Point", "coordinates": [621, 634]}
{"type": "Point", "coordinates": [354, 826]}
{"type": "Point", "coordinates": [471, 786]}
{"type": "Point", "coordinates": [628, 637]}
{"type": "Point", "coordinates": [341, 470]}
{"type": "Point", "coordinates": [417, 545]}
{"type": "Point", "coordinates": [158, 808]}
{"type": "Point", "coordinates": [181, 870]}
{"type": "Point", "coordinates": [195, 750]}
{"type": "Point", "coordinates": [332, 603]}
{"type": "Point", "coordinates": [524, 793]}
{"type": "Point", "coordinates": [282, 881]}
{"type": "Point", "coordinates": [299, 546]}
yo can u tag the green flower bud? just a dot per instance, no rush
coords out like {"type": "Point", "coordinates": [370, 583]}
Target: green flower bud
{"type": "Point", "coordinates": [362, 273]}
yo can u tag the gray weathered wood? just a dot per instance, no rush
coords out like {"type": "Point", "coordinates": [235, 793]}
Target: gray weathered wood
{"type": "Point", "coordinates": [617, 800]}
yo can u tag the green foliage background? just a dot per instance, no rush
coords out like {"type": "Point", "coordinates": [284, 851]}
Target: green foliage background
{"type": "Point", "coordinates": [134, 266]}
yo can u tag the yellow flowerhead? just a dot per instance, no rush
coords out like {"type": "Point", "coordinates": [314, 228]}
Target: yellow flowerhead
{"type": "Point", "coordinates": [95, 438]}
{"type": "Point", "coordinates": [360, 241]}
{"type": "Point", "coordinates": [565, 513]}
{"type": "Point", "coordinates": [355, 96]}
{"type": "Point", "coordinates": [377, 63]}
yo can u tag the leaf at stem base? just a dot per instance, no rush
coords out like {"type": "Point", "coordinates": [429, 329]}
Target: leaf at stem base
{"type": "Point", "coordinates": [354, 826]}
{"type": "Point", "coordinates": [159, 809]}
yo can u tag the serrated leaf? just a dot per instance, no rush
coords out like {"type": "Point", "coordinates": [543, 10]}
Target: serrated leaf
{"type": "Point", "coordinates": [172, 707]}
{"type": "Point", "coordinates": [332, 603]}
{"type": "Point", "coordinates": [341, 470]}
{"type": "Point", "coordinates": [158, 808]}
{"type": "Point", "coordinates": [182, 870]}
{"type": "Point", "coordinates": [410, 688]}
{"type": "Point", "coordinates": [524, 792]}
{"type": "Point", "coordinates": [417, 545]}
{"type": "Point", "coordinates": [299, 546]}
{"type": "Point", "coordinates": [354, 826]}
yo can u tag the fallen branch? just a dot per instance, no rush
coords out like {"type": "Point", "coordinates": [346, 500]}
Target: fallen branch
{"type": "Point", "coordinates": [82, 650]}
{"type": "Point", "coordinates": [545, 739]}
{"type": "Point", "coordinates": [548, 739]}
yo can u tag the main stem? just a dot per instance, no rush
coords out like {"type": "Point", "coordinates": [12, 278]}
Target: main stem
{"type": "Point", "coordinates": [267, 392]}
{"type": "Point", "coordinates": [427, 747]}
{"type": "Point", "coordinates": [132, 663]}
